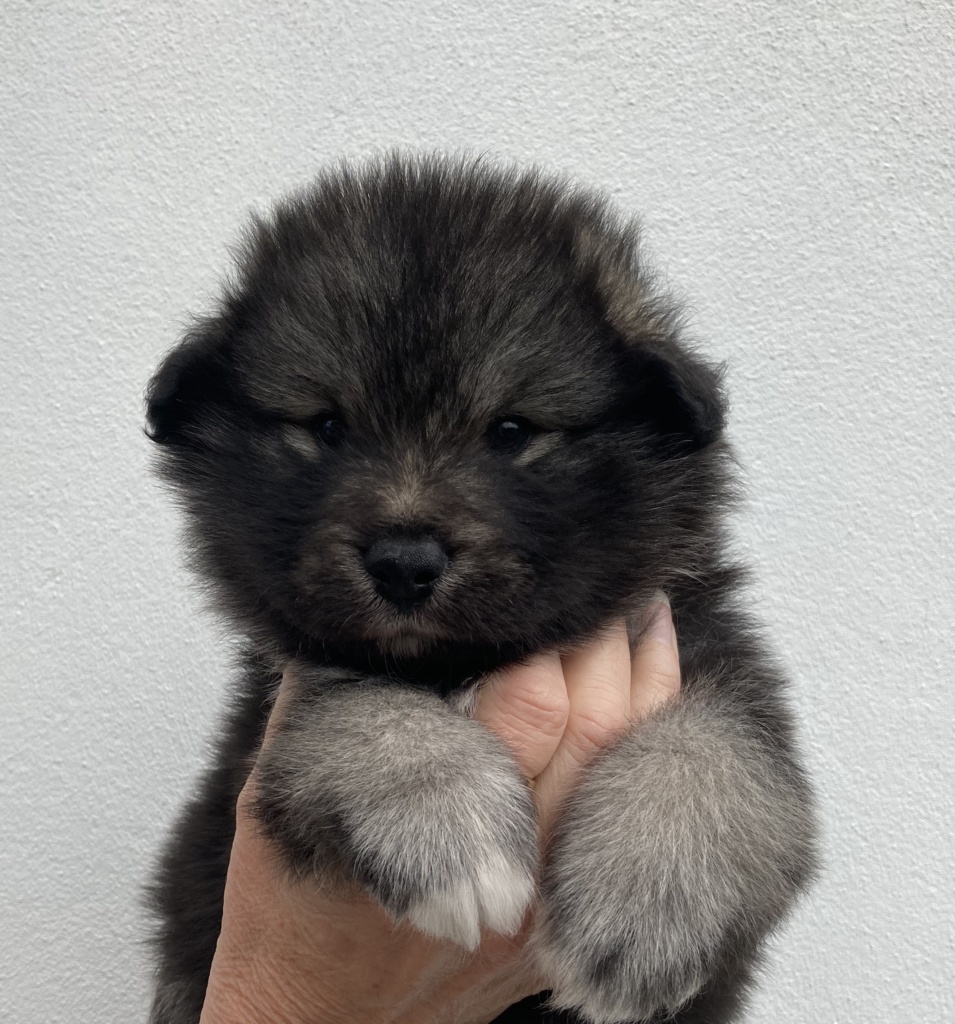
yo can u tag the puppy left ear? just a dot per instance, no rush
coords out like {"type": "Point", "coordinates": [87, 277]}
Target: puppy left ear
{"type": "Point", "coordinates": [681, 395]}
{"type": "Point", "coordinates": [678, 393]}
{"type": "Point", "coordinates": [671, 388]}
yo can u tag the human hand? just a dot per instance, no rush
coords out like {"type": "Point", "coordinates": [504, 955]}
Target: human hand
{"type": "Point", "coordinates": [290, 953]}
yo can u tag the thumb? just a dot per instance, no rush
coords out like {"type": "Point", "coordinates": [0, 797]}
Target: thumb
{"type": "Point", "coordinates": [280, 704]}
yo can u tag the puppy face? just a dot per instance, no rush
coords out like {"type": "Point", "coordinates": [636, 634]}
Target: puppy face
{"type": "Point", "coordinates": [440, 409]}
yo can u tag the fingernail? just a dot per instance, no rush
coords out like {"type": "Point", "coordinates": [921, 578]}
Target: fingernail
{"type": "Point", "coordinates": [661, 624]}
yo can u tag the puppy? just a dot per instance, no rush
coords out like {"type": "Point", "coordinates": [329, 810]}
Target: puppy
{"type": "Point", "coordinates": [441, 421]}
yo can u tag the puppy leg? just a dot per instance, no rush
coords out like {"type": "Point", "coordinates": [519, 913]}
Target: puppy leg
{"type": "Point", "coordinates": [422, 805]}
{"type": "Point", "coordinates": [684, 845]}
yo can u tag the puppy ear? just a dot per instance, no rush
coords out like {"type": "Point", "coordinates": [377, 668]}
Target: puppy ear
{"type": "Point", "coordinates": [188, 379]}
{"type": "Point", "coordinates": [681, 395]}
{"type": "Point", "coordinates": [677, 391]}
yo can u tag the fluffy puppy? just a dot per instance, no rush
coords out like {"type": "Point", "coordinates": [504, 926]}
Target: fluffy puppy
{"type": "Point", "coordinates": [441, 421]}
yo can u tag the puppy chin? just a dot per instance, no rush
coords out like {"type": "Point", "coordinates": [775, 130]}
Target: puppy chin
{"type": "Point", "coordinates": [404, 636]}
{"type": "Point", "coordinates": [406, 645]}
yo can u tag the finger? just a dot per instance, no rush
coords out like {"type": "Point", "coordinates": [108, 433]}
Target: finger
{"type": "Point", "coordinates": [598, 689]}
{"type": "Point", "coordinates": [655, 669]}
{"type": "Point", "coordinates": [283, 697]}
{"type": "Point", "coordinates": [527, 707]}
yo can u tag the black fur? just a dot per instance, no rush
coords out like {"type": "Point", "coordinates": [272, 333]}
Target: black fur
{"type": "Point", "coordinates": [419, 302]}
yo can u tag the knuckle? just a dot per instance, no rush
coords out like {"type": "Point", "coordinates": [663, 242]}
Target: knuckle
{"type": "Point", "coordinates": [595, 728]}
{"type": "Point", "coordinates": [657, 667]}
{"type": "Point", "coordinates": [660, 684]}
{"type": "Point", "coordinates": [543, 709]}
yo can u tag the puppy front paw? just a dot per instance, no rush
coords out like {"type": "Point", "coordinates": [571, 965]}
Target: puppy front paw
{"type": "Point", "coordinates": [425, 808]}
{"type": "Point", "coordinates": [451, 846]}
{"type": "Point", "coordinates": [609, 965]}
{"type": "Point", "coordinates": [684, 845]}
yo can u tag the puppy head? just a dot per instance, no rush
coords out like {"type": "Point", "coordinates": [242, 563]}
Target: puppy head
{"type": "Point", "coordinates": [439, 409]}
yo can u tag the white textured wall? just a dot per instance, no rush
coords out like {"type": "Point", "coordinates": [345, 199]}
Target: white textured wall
{"type": "Point", "coordinates": [794, 163]}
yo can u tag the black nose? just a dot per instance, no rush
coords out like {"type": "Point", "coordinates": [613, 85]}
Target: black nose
{"type": "Point", "coordinates": [405, 569]}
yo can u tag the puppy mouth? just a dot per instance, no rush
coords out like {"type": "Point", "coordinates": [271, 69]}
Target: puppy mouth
{"type": "Point", "coordinates": [386, 617]}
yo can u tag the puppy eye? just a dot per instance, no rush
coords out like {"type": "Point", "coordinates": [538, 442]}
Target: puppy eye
{"type": "Point", "coordinates": [509, 434]}
{"type": "Point", "coordinates": [329, 429]}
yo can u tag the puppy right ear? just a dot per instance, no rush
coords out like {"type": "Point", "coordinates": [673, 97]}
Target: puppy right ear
{"type": "Point", "coordinates": [187, 379]}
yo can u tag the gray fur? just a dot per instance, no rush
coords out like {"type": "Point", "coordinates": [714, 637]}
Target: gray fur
{"type": "Point", "coordinates": [683, 838]}
{"type": "Point", "coordinates": [423, 805]}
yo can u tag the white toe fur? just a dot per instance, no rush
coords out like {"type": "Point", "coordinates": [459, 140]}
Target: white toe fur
{"type": "Point", "coordinates": [497, 897]}
{"type": "Point", "coordinates": [449, 914]}
{"type": "Point", "coordinates": [504, 892]}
